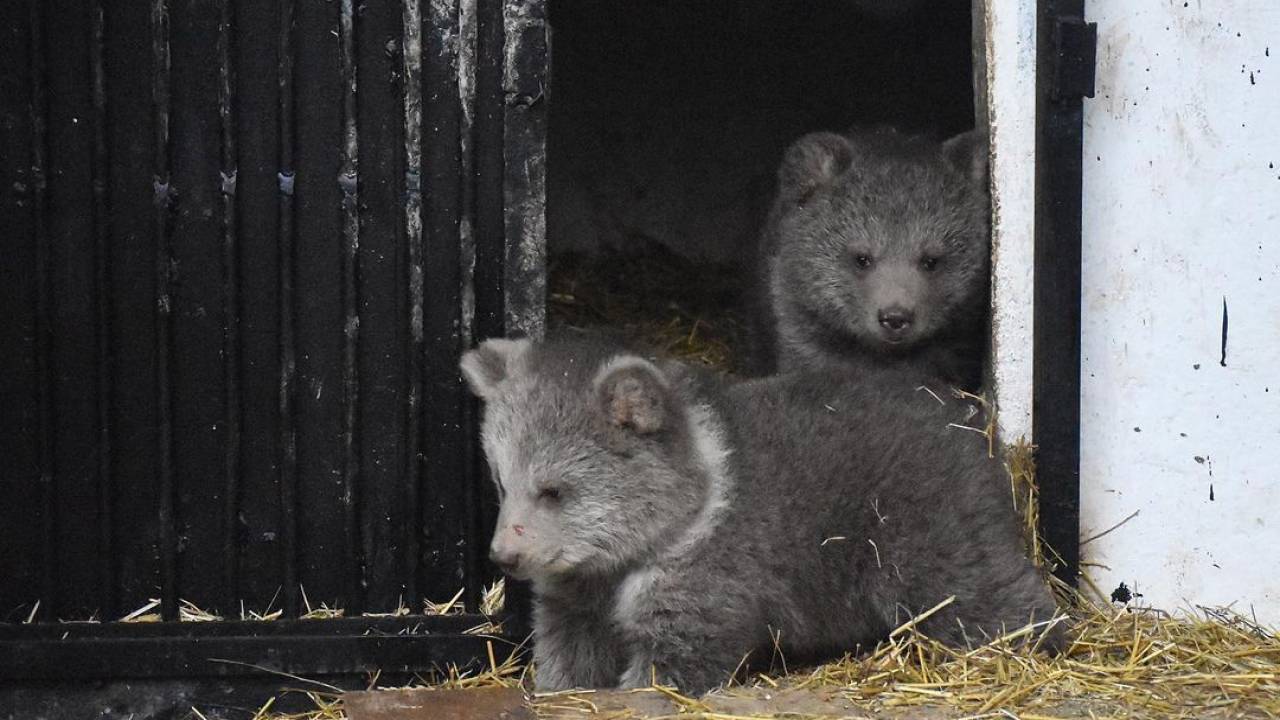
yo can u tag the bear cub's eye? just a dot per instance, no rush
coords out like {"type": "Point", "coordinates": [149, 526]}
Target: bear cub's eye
{"type": "Point", "coordinates": [929, 263]}
{"type": "Point", "coordinates": [549, 493]}
{"type": "Point", "coordinates": [862, 261]}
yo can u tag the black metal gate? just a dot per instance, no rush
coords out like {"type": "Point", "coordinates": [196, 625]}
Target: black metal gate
{"type": "Point", "coordinates": [245, 243]}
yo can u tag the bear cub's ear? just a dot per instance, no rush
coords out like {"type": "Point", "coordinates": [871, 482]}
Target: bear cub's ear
{"type": "Point", "coordinates": [633, 394]}
{"type": "Point", "coordinates": [812, 162]}
{"type": "Point", "coordinates": [968, 153]}
{"type": "Point", "coordinates": [492, 362]}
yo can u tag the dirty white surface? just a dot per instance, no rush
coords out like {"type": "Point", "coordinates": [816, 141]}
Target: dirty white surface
{"type": "Point", "coordinates": [1182, 216]}
{"type": "Point", "coordinates": [1011, 89]}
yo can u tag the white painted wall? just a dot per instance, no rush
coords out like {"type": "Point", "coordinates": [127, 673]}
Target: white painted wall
{"type": "Point", "coordinates": [1182, 210]}
{"type": "Point", "coordinates": [1010, 29]}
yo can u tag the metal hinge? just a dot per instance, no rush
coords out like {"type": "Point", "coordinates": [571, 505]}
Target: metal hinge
{"type": "Point", "coordinates": [1076, 46]}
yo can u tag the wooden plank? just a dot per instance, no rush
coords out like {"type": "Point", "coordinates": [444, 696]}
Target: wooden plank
{"type": "Point", "coordinates": [320, 315]}
{"type": "Point", "coordinates": [348, 175]}
{"type": "Point", "coordinates": [386, 520]}
{"type": "Point", "coordinates": [525, 85]}
{"type": "Point", "coordinates": [104, 356]}
{"type": "Point", "coordinates": [231, 345]}
{"type": "Point", "coordinates": [1055, 386]}
{"type": "Point", "coordinates": [259, 206]}
{"type": "Point", "coordinates": [131, 134]}
{"type": "Point", "coordinates": [73, 317]}
{"type": "Point", "coordinates": [195, 657]}
{"type": "Point", "coordinates": [286, 229]}
{"type": "Point", "coordinates": [445, 483]}
{"type": "Point", "coordinates": [414, 346]}
{"type": "Point", "coordinates": [487, 172]}
{"type": "Point", "coordinates": [160, 103]}
{"type": "Point", "coordinates": [198, 301]}
{"type": "Point", "coordinates": [428, 704]}
{"type": "Point", "coordinates": [20, 415]}
{"type": "Point", "coordinates": [390, 625]}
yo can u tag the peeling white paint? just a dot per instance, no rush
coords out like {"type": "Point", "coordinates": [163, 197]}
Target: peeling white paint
{"type": "Point", "coordinates": [1182, 211]}
{"type": "Point", "coordinates": [1011, 90]}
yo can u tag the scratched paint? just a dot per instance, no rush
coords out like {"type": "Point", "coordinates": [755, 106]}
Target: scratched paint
{"type": "Point", "coordinates": [1182, 234]}
{"type": "Point", "coordinates": [1010, 89]}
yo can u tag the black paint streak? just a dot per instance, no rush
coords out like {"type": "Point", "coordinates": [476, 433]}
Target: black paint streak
{"type": "Point", "coordinates": [348, 184]}
{"type": "Point", "coordinates": [44, 312]}
{"type": "Point", "coordinates": [102, 301]}
{"type": "Point", "coordinates": [412, 23]}
{"type": "Point", "coordinates": [288, 479]}
{"type": "Point", "coordinates": [1223, 361]}
{"type": "Point", "coordinates": [231, 362]}
{"type": "Point", "coordinates": [164, 330]}
{"type": "Point", "coordinates": [1121, 594]}
{"type": "Point", "coordinates": [1210, 492]}
{"type": "Point", "coordinates": [1056, 365]}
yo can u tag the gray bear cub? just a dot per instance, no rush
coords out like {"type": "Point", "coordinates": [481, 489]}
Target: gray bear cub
{"type": "Point", "coordinates": [674, 525]}
{"type": "Point", "coordinates": [877, 252]}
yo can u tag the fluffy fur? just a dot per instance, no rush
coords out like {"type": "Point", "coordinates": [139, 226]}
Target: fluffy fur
{"type": "Point", "coordinates": [672, 523]}
{"type": "Point", "coordinates": [876, 253]}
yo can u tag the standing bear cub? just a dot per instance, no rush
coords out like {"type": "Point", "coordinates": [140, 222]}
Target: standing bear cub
{"type": "Point", "coordinates": [876, 252]}
{"type": "Point", "coordinates": [673, 525]}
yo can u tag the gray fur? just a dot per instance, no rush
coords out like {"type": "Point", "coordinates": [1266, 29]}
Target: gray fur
{"type": "Point", "coordinates": [898, 202]}
{"type": "Point", "coordinates": [695, 520]}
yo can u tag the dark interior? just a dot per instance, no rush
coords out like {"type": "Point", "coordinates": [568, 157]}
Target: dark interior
{"type": "Point", "coordinates": [668, 119]}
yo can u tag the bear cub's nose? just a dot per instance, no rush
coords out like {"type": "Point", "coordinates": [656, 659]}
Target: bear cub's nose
{"type": "Point", "coordinates": [896, 319]}
{"type": "Point", "coordinates": [507, 560]}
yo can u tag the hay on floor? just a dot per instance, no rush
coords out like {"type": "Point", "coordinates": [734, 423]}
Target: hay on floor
{"type": "Point", "coordinates": [1121, 661]}
{"type": "Point", "coordinates": [677, 308]}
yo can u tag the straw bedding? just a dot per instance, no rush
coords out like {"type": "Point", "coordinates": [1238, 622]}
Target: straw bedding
{"type": "Point", "coordinates": [1123, 661]}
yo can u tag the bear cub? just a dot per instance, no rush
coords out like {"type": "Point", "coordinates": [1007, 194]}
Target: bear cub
{"type": "Point", "coordinates": [876, 252]}
{"type": "Point", "coordinates": [673, 524]}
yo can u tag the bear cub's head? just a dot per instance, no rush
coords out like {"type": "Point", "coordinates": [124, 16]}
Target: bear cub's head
{"type": "Point", "coordinates": [590, 450]}
{"type": "Point", "coordinates": [884, 237]}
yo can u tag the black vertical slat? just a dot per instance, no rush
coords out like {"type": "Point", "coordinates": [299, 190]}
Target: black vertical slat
{"type": "Point", "coordinates": [482, 498]}
{"type": "Point", "coordinates": [489, 169]}
{"type": "Point", "coordinates": [414, 346]}
{"type": "Point", "coordinates": [256, 128]}
{"type": "Point", "coordinates": [128, 62]}
{"type": "Point", "coordinates": [231, 360]}
{"type": "Point", "coordinates": [1056, 361]}
{"type": "Point", "coordinates": [102, 305]}
{"type": "Point", "coordinates": [348, 182]}
{"type": "Point", "coordinates": [70, 234]}
{"type": "Point", "coordinates": [384, 514]}
{"type": "Point", "coordinates": [319, 279]}
{"type": "Point", "coordinates": [163, 258]}
{"type": "Point", "coordinates": [288, 350]}
{"type": "Point", "coordinates": [446, 487]}
{"type": "Point", "coordinates": [488, 218]}
{"type": "Point", "coordinates": [20, 518]}
{"type": "Point", "coordinates": [524, 85]}
{"type": "Point", "coordinates": [198, 299]}
{"type": "Point", "coordinates": [44, 314]}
